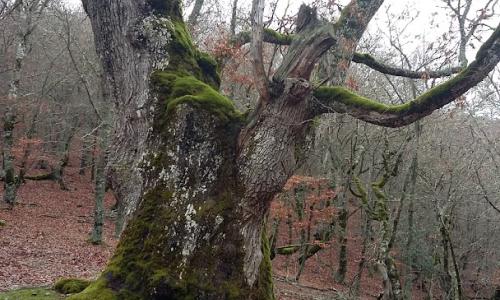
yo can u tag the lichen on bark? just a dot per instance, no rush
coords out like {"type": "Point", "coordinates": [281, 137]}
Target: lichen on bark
{"type": "Point", "coordinates": [184, 240]}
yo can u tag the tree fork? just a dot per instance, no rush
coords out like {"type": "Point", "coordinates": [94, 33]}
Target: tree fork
{"type": "Point", "coordinates": [198, 231]}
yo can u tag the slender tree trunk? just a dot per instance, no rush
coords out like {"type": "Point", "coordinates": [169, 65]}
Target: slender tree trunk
{"type": "Point", "coordinates": [273, 238]}
{"type": "Point", "coordinates": [496, 296]}
{"type": "Point", "coordinates": [453, 282]}
{"type": "Point", "coordinates": [446, 278]}
{"type": "Point", "coordinates": [27, 148]}
{"type": "Point", "coordinates": [408, 277]}
{"type": "Point", "coordinates": [362, 262]}
{"type": "Point", "coordinates": [85, 155]}
{"type": "Point", "coordinates": [64, 160]}
{"type": "Point", "coordinates": [305, 248]}
{"type": "Point", "coordinates": [100, 187]}
{"type": "Point", "coordinates": [342, 238]}
{"type": "Point", "coordinates": [10, 114]}
{"type": "Point", "coordinates": [9, 182]}
{"type": "Point", "coordinates": [289, 223]}
{"type": "Point", "coordinates": [300, 198]}
{"type": "Point", "coordinates": [93, 156]}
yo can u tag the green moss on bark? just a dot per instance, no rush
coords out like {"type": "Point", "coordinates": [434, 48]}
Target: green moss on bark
{"type": "Point", "coordinates": [265, 270]}
{"type": "Point", "coordinates": [343, 95]}
{"type": "Point", "coordinates": [184, 241]}
{"type": "Point", "coordinates": [185, 59]}
{"type": "Point", "coordinates": [176, 88]}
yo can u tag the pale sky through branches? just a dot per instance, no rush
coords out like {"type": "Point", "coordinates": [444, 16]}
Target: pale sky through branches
{"type": "Point", "coordinates": [423, 11]}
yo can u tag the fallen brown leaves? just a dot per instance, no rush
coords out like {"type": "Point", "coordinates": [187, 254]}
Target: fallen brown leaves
{"type": "Point", "coordinates": [45, 235]}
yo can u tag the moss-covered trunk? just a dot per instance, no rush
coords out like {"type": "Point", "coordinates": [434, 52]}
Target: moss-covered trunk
{"type": "Point", "coordinates": [198, 230]}
{"type": "Point", "coordinates": [184, 241]}
{"type": "Point", "coordinates": [203, 176]}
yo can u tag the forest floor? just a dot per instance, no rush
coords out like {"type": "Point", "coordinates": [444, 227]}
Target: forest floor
{"type": "Point", "coordinates": [45, 237]}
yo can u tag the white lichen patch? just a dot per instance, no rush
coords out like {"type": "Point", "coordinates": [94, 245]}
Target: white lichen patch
{"type": "Point", "coordinates": [192, 230]}
{"type": "Point", "coordinates": [156, 32]}
{"type": "Point", "coordinates": [218, 220]}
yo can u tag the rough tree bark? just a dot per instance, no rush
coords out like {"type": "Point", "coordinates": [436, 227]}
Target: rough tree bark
{"type": "Point", "coordinates": [203, 174]}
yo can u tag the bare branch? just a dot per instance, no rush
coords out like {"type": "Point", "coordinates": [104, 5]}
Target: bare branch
{"type": "Point", "coordinates": [260, 77]}
{"type": "Point", "coordinates": [371, 62]}
{"type": "Point", "coordinates": [233, 19]}
{"type": "Point", "coordinates": [485, 192]}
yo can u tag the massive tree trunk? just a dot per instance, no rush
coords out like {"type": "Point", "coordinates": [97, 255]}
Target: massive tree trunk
{"type": "Point", "coordinates": [202, 174]}
{"type": "Point", "coordinates": [198, 229]}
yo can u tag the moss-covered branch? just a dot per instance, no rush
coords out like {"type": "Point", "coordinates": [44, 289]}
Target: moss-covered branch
{"type": "Point", "coordinates": [371, 62]}
{"type": "Point", "coordinates": [339, 99]}
{"type": "Point", "coordinates": [269, 36]}
{"type": "Point", "coordinates": [47, 176]}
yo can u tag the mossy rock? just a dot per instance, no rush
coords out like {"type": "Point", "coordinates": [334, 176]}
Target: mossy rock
{"type": "Point", "coordinates": [31, 293]}
{"type": "Point", "coordinates": [2, 223]}
{"type": "Point", "coordinates": [71, 285]}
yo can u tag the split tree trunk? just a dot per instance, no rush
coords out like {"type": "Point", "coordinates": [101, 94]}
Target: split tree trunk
{"type": "Point", "coordinates": [206, 189]}
{"type": "Point", "coordinates": [202, 176]}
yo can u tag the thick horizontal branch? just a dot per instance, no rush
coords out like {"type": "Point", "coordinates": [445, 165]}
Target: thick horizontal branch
{"type": "Point", "coordinates": [371, 62]}
{"type": "Point", "coordinates": [269, 36]}
{"type": "Point", "coordinates": [47, 176]}
{"type": "Point", "coordinates": [339, 99]}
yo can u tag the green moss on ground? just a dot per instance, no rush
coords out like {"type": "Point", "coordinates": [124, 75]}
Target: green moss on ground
{"type": "Point", "coordinates": [71, 285]}
{"type": "Point", "coordinates": [31, 293]}
{"type": "Point", "coordinates": [96, 290]}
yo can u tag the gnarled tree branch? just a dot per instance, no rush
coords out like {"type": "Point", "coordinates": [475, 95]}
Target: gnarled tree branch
{"type": "Point", "coordinates": [341, 100]}
{"type": "Point", "coordinates": [371, 62]}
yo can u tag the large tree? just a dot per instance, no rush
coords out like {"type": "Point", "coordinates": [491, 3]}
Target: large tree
{"type": "Point", "coordinates": [204, 174]}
